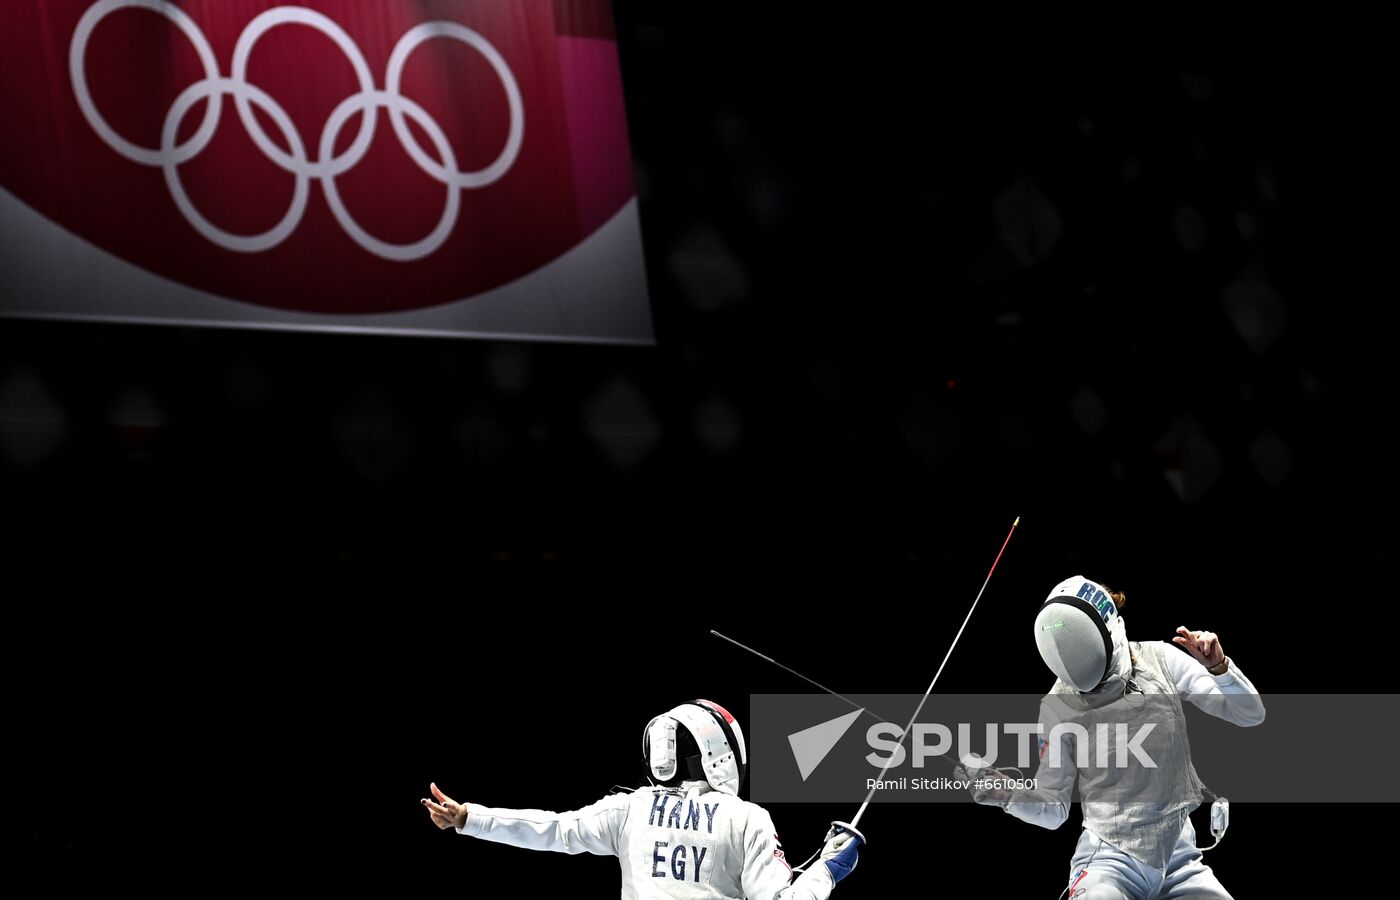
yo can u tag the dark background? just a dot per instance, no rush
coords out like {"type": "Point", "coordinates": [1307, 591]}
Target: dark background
{"type": "Point", "coordinates": [910, 280]}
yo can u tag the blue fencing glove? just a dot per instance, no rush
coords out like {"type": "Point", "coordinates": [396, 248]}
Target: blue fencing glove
{"type": "Point", "coordinates": [839, 854]}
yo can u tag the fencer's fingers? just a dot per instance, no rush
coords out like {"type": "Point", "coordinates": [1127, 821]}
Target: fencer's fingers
{"type": "Point", "coordinates": [432, 786]}
{"type": "Point", "coordinates": [440, 810]}
{"type": "Point", "coordinates": [1190, 645]}
{"type": "Point", "coordinates": [1185, 632]}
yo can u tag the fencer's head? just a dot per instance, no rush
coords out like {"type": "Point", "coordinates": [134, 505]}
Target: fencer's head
{"type": "Point", "coordinates": [1080, 633]}
{"type": "Point", "coordinates": [696, 741]}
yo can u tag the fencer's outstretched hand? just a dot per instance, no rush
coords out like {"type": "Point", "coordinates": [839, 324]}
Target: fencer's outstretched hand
{"type": "Point", "coordinates": [1203, 645]}
{"type": "Point", "coordinates": [446, 812]}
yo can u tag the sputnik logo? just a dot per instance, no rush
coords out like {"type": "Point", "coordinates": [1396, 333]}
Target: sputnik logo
{"type": "Point", "coordinates": [811, 745]}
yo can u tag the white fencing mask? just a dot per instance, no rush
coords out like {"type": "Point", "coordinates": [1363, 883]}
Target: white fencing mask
{"type": "Point", "coordinates": [1080, 635]}
{"type": "Point", "coordinates": [714, 751]}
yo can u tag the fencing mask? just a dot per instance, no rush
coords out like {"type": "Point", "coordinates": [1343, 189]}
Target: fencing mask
{"type": "Point", "coordinates": [1080, 634]}
{"type": "Point", "coordinates": [698, 741]}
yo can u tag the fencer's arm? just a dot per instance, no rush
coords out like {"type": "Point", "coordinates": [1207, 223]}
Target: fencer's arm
{"type": "Point", "coordinates": [1048, 804]}
{"type": "Point", "coordinates": [1231, 696]}
{"type": "Point", "coordinates": [592, 829]}
{"type": "Point", "coordinates": [767, 875]}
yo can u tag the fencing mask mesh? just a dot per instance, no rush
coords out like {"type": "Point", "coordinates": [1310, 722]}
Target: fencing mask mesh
{"type": "Point", "coordinates": [1076, 631]}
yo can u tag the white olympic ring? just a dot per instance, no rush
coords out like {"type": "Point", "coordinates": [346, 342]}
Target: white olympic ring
{"type": "Point", "coordinates": [326, 166]}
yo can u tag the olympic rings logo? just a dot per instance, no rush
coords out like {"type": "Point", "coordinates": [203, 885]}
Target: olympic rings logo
{"type": "Point", "coordinates": [326, 166]}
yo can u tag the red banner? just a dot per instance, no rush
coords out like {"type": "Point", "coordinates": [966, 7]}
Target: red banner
{"type": "Point", "coordinates": [443, 167]}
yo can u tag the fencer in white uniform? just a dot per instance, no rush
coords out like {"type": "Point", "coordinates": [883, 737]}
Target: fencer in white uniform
{"type": "Point", "coordinates": [688, 835]}
{"type": "Point", "coordinates": [1129, 847]}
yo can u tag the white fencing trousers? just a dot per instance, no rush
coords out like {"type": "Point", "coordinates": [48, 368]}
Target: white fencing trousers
{"type": "Point", "coordinates": [1100, 871]}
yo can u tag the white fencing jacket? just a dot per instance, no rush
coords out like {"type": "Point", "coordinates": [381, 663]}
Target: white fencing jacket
{"type": "Point", "coordinates": [1048, 804]}
{"type": "Point", "coordinates": [691, 843]}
